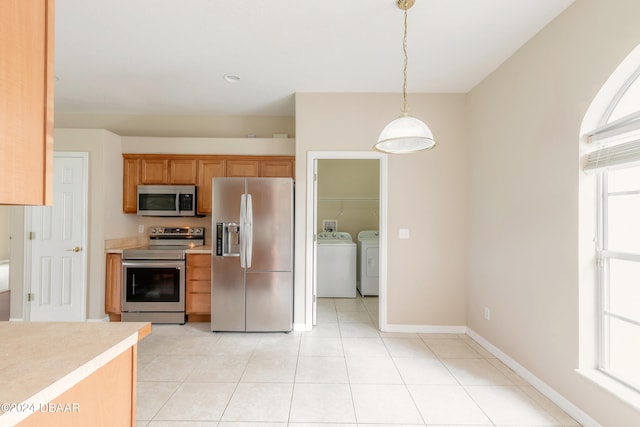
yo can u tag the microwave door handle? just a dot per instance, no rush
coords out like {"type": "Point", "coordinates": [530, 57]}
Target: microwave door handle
{"type": "Point", "coordinates": [178, 202]}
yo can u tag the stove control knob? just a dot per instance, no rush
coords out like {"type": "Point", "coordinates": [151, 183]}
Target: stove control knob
{"type": "Point", "coordinates": [153, 231]}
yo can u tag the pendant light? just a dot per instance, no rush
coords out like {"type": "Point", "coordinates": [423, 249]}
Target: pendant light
{"type": "Point", "coordinates": [405, 134]}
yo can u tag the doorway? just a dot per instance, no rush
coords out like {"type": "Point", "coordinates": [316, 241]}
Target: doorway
{"type": "Point", "coordinates": [349, 212]}
{"type": "Point", "coordinates": [56, 258]}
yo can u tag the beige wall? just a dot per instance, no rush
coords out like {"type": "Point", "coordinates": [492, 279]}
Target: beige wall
{"type": "Point", "coordinates": [524, 179]}
{"type": "Point", "coordinates": [348, 192]}
{"type": "Point", "coordinates": [427, 194]}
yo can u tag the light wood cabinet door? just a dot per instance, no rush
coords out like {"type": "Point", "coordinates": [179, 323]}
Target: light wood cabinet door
{"type": "Point", "coordinates": [243, 168]}
{"type": "Point", "coordinates": [183, 171]}
{"type": "Point", "coordinates": [207, 170]}
{"type": "Point", "coordinates": [130, 180]}
{"type": "Point", "coordinates": [26, 102]}
{"type": "Point", "coordinates": [154, 171]}
{"type": "Point", "coordinates": [198, 284]}
{"type": "Point", "coordinates": [113, 285]}
{"type": "Point", "coordinates": [277, 168]}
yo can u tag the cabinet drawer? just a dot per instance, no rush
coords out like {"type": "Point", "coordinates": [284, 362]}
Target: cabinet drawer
{"type": "Point", "coordinates": [198, 287]}
{"type": "Point", "coordinates": [198, 304]}
{"type": "Point", "coordinates": [198, 273]}
{"type": "Point", "coordinates": [199, 260]}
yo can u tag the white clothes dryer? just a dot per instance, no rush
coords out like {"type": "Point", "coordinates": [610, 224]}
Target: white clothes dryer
{"type": "Point", "coordinates": [368, 270]}
{"type": "Point", "coordinates": [336, 265]}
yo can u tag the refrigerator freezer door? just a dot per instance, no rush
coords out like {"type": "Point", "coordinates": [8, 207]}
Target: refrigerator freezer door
{"type": "Point", "coordinates": [272, 224]}
{"type": "Point", "coordinates": [227, 294]}
{"type": "Point", "coordinates": [269, 301]}
{"type": "Point", "coordinates": [226, 199]}
{"type": "Point", "coordinates": [227, 285]}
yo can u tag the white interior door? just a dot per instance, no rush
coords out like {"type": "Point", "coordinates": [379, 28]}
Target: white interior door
{"type": "Point", "coordinates": [57, 238]}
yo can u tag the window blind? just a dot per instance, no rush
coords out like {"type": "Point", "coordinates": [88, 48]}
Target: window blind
{"type": "Point", "coordinates": [612, 156]}
{"type": "Point", "coordinates": [618, 143]}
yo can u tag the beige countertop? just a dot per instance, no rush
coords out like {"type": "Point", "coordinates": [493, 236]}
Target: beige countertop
{"type": "Point", "coordinates": [206, 249]}
{"type": "Point", "coordinates": [41, 360]}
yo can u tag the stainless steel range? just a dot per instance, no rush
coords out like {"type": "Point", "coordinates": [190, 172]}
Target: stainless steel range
{"type": "Point", "coordinates": [153, 277]}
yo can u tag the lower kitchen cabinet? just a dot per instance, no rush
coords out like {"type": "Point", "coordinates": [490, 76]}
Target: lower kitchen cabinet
{"type": "Point", "coordinates": [113, 287]}
{"type": "Point", "coordinates": [198, 287]}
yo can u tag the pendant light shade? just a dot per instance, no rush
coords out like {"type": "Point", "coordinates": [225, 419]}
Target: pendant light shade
{"type": "Point", "coordinates": [405, 134]}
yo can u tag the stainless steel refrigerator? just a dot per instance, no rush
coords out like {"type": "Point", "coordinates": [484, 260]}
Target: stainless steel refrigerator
{"type": "Point", "coordinates": [252, 257]}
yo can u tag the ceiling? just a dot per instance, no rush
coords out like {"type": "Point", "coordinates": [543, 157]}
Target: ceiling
{"type": "Point", "coordinates": [170, 56]}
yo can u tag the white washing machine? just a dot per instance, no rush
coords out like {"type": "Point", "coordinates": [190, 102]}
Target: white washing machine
{"type": "Point", "coordinates": [368, 274]}
{"type": "Point", "coordinates": [336, 269]}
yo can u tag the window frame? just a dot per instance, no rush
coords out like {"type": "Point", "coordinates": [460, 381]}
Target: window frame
{"type": "Point", "coordinates": [603, 259]}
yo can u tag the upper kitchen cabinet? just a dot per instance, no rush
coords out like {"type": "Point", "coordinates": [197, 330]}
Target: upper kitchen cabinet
{"type": "Point", "coordinates": [183, 171]}
{"type": "Point", "coordinates": [155, 171]}
{"type": "Point", "coordinates": [195, 169]}
{"type": "Point", "coordinates": [207, 170]}
{"type": "Point", "coordinates": [277, 168]}
{"type": "Point", "coordinates": [243, 168]}
{"type": "Point", "coordinates": [26, 102]}
{"type": "Point", "coordinates": [267, 167]}
{"type": "Point", "coordinates": [130, 180]}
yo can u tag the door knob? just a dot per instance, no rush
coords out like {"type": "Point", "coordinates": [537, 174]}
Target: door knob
{"type": "Point", "coordinates": [75, 249]}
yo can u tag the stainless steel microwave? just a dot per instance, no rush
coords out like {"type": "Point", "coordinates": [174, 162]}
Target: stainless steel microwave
{"type": "Point", "coordinates": [167, 200]}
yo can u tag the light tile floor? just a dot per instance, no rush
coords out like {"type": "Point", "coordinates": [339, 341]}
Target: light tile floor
{"type": "Point", "coordinates": [344, 373]}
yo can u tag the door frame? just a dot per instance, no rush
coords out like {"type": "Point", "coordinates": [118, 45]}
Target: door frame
{"type": "Point", "coordinates": [310, 229]}
{"type": "Point", "coordinates": [85, 223]}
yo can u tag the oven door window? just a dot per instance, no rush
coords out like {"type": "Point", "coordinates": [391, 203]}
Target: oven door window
{"type": "Point", "coordinates": [154, 284]}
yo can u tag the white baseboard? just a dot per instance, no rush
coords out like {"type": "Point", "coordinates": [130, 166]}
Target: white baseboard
{"type": "Point", "coordinates": [300, 327]}
{"type": "Point", "coordinates": [571, 409]}
{"type": "Point", "coordinates": [16, 319]}
{"type": "Point", "coordinates": [426, 329]}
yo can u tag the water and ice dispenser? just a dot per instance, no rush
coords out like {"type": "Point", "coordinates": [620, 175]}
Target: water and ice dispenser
{"type": "Point", "coordinates": [227, 239]}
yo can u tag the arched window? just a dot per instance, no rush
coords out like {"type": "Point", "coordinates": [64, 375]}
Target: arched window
{"type": "Point", "coordinates": [616, 161]}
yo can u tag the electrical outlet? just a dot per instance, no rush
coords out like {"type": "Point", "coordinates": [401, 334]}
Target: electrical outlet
{"type": "Point", "coordinates": [140, 228]}
{"type": "Point", "coordinates": [487, 313]}
{"type": "Point", "coordinates": [403, 233]}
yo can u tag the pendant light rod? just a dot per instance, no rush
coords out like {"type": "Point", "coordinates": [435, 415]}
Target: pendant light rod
{"type": "Point", "coordinates": [405, 5]}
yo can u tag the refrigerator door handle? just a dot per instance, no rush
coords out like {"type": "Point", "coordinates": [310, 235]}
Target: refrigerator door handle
{"type": "Point", "coordinates": [241, 231]}
{"type": "Point", "coordinates": [249, 233]}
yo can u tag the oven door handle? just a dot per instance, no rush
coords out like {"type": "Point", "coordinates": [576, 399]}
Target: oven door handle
{"type": "Point", "coordinates": [154, 263]}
